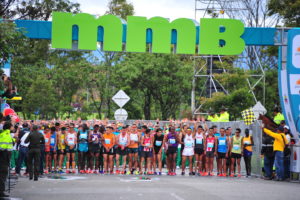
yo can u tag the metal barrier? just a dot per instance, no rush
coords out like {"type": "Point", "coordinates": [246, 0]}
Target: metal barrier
{"type": "Point", "coordinates": [295, 162]}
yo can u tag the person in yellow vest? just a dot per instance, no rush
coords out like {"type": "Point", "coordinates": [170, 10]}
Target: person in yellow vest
{"type": "Point", "coordinates": [213, 117]}
{"type": "Point", "coordinates": [6, 146]}
{"type": "Point", "coordinates": [224, 115]}
{"type": "Point", "coordinates": [248, 143]}
{"type": "Point", "coordinates": [278, 116]}
{"type": "Point", "coordinates": [279, 144]}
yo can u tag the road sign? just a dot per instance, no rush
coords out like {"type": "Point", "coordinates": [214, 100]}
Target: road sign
{"type": "Point", "coordinates": [121, 98]}
{"type": "Point", "coordinates": [121, 114]}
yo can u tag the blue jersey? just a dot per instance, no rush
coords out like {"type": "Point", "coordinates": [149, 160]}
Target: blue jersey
{"type": "Point", "coordinates": [222, 145]}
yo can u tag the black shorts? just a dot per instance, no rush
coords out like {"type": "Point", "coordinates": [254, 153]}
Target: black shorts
{"type": "Point", "coordinates": [221, 155]}
{"type": "Point", "coordinates": [210, 154]}
{"type": "Point", "coordinates": [122, 152]}
{"type": "Point", "coordinates": [199, 151]}
{"type": "Point", "coordinates": [132, 150]}
{"type": "Point", "coordinates": [236, 155]}
{"type": "Point", "coordinates": [171, 150]}
{"type": "Point", "coordinates": [110, 152]}
{"type": "Point", "coordinates": [61, 152]}
{"type": "Point", "coordinates": [156, 149]}
{"type": "Point", "coordinates": [68, 150]}
{"type": "Point", "coordinates": [94, 148]}
{"type": "Point", "coordinates": [146, 154]}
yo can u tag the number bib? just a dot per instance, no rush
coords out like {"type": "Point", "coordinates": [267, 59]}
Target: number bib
{"type": "Point", "coordinates": [236, 147]}
{"type": "Point", "coordinates": [158, 143]}
{"type": "Point", "coordinates": [210, 145]}
{"type": "Point", "coordinates": [107, 141]}
{"type": "Point", "coordinates": [198, 141]}
{"type": "Point", "coordinates": [222, 142]}
{"type": "Point", "coordinates": [172, 141]}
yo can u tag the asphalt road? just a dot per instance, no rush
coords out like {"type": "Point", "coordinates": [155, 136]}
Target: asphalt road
{"type": "Point", "coordinates": [118, 187]}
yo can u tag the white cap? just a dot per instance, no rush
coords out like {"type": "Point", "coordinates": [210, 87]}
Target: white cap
{"type": "Point", "coordinates": [286, 127]}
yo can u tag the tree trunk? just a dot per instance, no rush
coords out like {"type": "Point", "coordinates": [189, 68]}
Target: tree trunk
{"type": "Point", "coordinates": [147, 106]}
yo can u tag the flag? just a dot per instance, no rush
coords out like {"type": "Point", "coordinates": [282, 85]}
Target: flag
{"type": "Point", "coordinates": [248, 116]}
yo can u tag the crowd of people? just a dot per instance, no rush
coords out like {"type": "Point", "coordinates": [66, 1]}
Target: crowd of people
{"type": "Point", "coordinates": [115, 148]}
{"type": "Point", "coordinates": [102, 146]}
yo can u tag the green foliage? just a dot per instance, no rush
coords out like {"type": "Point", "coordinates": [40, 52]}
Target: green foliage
{"type": "Point", "coordinates": [289, 10]}
{"type": "Point", "coordinates": [46, 103]}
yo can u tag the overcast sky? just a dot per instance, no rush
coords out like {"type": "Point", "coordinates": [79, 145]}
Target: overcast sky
{"type": "Point", "coordinates": [172, 9]}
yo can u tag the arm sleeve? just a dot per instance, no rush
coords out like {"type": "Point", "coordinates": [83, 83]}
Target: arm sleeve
{"type": "Point", "coordinates": [272, 134]}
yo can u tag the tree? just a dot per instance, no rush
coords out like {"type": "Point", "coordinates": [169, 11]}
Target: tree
{"type": "Point", "coordinates": [41, 97]}
{"type": "Point", "coordinates": [288, 10]}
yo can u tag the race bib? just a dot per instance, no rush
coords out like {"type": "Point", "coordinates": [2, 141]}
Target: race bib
{"type": "Point", "coordinates": [189, 144]}
{"type": "Point", "coordinates": [246, 142]}
{"type": "Point", "coordinates": [172, 141]}
{"type": "Point", "coordinates": [46, 140]}
{"type": "Point", "coordinates": [236, 147]}
{"type": "Point", "coordinates": [134, 137]}
{"type": "Point", "coordinates": [198, 141]}
{"type": "Point", "coordinates": [122, 143]}
{"type": "Point", "coordinates": [147, 144]}
{"type": "Point", "coordinates": [71, 142]}
{"type": "Point", "coordinates": [158, 143]}
{"type": "Point", "coordinates": [62, 141]}
{"type": "Point", "coordinates": [83, 136]}
{"type": "Point", "coordinates": [222, 142]}
{"type": "Point", "coordinates": [107, 141]}
{"type": "Point", "coordinates": [210, 145]}
{"type": "Point", "coordinates": [52, 141]}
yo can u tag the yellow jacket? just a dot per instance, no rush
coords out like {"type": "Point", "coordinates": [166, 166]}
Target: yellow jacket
{"type": "Point", "coordinates": [279, 144]}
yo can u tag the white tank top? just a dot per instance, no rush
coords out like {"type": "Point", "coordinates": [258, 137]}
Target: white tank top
{"type": "Point", "coordinates": [123, 140]}
{"type": "Point", "coordinates": [188, 141]}
{"type": "Point", "coordinates": [71, 138]}
{"type": "Point", "coordinates": [199, 138]}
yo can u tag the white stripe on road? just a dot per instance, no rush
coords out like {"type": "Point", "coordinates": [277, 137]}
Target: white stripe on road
{"type": "Point", "coordinates": [176, 196]}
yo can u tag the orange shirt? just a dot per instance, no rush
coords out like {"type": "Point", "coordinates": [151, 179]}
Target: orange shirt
{"type": "Point", "coordinates": [108, 140]}
{"type": "Point", "coordinates": [134, 138]}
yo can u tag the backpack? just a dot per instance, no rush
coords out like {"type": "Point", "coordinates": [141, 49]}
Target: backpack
{"type": "Point", "coordinates": [287, 150]}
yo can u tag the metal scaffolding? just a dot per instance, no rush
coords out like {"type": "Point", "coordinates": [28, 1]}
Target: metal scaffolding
{"type": "Point", "coordinates": [219, 9]}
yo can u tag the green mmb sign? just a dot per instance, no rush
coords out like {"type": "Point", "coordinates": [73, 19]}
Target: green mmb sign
{"type": "Point", "coordinates": [213, 32]}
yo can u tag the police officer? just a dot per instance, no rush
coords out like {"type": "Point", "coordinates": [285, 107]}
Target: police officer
{"type": "Point", "coordinates": [6, 146]}
{"type": "Point", "coordinates": [224, 115]}
{"type": "Point", "coordinates": [35, 139]}
{"type": "Point", "coordinates": [268, 154]}
{"type": "Point", "coordinates": [278, 116]}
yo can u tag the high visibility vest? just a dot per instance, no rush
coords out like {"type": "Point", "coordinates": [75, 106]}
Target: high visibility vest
{"type": "Point", "coordinates": [224, 117]}
{"type": "Point", "coordinates": [278, 118]}
{"type": "Point", "coordinates": [6, 141]}
{"type": "Point", "coordinates": [214, 118]}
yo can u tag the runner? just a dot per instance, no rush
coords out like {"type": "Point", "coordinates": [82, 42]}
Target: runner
{"type": "Point", "coordinates": [248, 143]}
{"type": "Point", "coordinates": [140, 149]}
{"type": "Point", "coordinates": [71, 142]}
{"type": "Point", "coordinates": [228, 159]}
{"type": "Point", "coordinates": [82, 138]}
{"type": "Point", "coordinates": [61, 148]}
{"type": "Point", "coordinates": [122, 142]}
{"type": "Point", "coordinates": [147, 152]}
{"type": "Point", "coordinates": [158, 143]}
{"type": "Point", "coordinates": [94, 149]}
{"type": "Point", "coordinates": [47, 135]}
{"type": "Point", "coordinates": [133, 150]}
{"type": "Point", "coordinates": [108, 150]}
{"type": "Point", "coordinates": [172, 140]}
{"type": "Point", "coordinates": [236, 152]}
{"type": "Point", "coordinates": [210, 152]}
{"type": "Point", "coordinates": [222, 145]}
{"type": "Point", "coordinates": [53, 150]}
{"type": "Point", "coordinates": [188, 151]}
{"type": "Point", "coordinates": [199, 150]}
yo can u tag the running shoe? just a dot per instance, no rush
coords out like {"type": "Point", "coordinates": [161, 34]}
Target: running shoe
{"type": "Point", "coordinates": [101, 171]}
{"type": "Point", "coordinates": [212, 174]}
{"type": "Point", "coordinates": [95, 172]}
{"type": "Point", "coordinates": [155, 173]}
{"type": "Point", "coordinates": [231, 175]}
{"type": "Point", "coordinates": [191, 174]}
{"type": "Point", "coordinates": [182, 173]}
{"type": "Point", "coordinates": [128, 173]}
{"type": "Point", "coordinates": [68, 172]}
{"type": "Point", "coordinates": [219, 175]}
{"type": "Point", "coordinates": [239, 175]}
{"type": "Point", "coordinates": [117, 171]}
{"type": "Point", "coordinates": [73, 171]}
{"type": "Point", "coordinates": [159, 173]}
{"type": "Point", "coordinates": [111, 173]}
{"type": "Point", "coordinates": [136, 172]}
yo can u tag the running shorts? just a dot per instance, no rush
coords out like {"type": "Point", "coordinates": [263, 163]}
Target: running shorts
{"type": "Point", "coordinates": [236, 155]}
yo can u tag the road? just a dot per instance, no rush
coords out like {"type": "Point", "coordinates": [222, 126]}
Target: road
{"type": "Point", "coordinates": [118, 187]}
